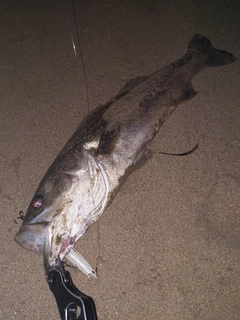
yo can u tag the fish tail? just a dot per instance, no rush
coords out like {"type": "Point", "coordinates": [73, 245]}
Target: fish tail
{"type": "Point", "coordinates": [211, 56]}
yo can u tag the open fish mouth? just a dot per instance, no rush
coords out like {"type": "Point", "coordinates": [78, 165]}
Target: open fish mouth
{"type": "Point", "coordinates": [32, 238]}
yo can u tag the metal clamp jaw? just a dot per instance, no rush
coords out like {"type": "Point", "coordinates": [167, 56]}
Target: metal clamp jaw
{"type": "Point", "coordinates": [72, 303]}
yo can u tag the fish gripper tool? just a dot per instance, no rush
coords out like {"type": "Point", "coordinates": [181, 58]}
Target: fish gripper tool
{"type": "Point", "coordinates": [72, 303]}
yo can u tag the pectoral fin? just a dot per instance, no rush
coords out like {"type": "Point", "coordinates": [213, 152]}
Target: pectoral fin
{"type": "Point", "coordinates": [109, 140]}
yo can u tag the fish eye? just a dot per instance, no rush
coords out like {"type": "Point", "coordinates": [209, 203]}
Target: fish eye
{"type": "Point", "coordinates": [37, 202]}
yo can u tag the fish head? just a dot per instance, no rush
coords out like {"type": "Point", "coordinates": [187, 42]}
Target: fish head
{"type": "Point", "coordinates": [71, 196]}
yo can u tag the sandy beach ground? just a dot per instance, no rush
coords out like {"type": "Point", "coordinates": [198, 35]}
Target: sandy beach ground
{"type": "Point", "coordinates": [168, 247]}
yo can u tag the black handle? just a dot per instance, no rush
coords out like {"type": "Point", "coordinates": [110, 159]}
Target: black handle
{"type": "Point", "coordinates": [72, 303]}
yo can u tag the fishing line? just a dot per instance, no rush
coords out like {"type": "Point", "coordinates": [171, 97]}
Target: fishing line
{"type": "Point", "coordinates": [79, 47]}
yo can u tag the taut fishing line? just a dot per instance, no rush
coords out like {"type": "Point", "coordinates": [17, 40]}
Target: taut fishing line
{"type": "Point", "coordinates": [77, 47]}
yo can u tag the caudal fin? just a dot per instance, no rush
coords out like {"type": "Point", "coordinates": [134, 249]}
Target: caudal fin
{"type": "Point", "coordinates": [212, 56]}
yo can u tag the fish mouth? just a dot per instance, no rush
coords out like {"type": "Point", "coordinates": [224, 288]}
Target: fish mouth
{"type": "Point", "coordinates": [32, 236]}
{"type": "Point", "coordinates": [35, 237]}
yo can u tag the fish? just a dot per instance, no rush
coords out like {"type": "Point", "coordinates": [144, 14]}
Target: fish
{"type": "Point", "coordinates": [109, 144]}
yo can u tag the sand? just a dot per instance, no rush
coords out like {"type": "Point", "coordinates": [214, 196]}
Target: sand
{"type": "Point", "coordinates": [168, 246]}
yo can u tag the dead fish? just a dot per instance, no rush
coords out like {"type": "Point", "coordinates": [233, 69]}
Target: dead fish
{"type": "Point", "coordinates": [108, 145]}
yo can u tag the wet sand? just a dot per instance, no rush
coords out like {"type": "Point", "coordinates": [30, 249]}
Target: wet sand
{"type": "Point", "coordinates": [168, 247]}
